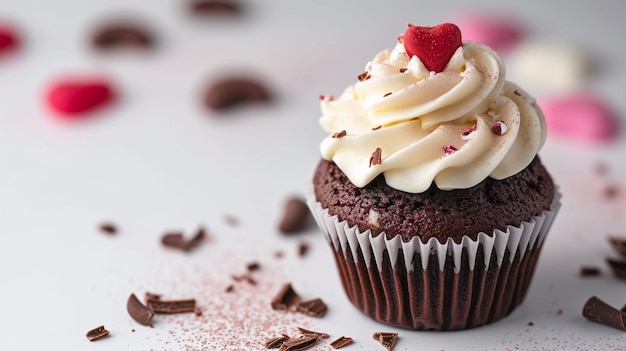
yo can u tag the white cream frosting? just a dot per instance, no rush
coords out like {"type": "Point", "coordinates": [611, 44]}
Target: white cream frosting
{"type": "Point", "coordinates": [432, 127]}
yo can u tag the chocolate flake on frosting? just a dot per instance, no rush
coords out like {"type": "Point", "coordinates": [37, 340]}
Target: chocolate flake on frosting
{"type": "Point", "coordinates": [376, 158]}
{"type": "Point", "coordinates": [340, 134]}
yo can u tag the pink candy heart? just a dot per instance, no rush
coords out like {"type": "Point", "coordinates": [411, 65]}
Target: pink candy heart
{"type": "Point", "coordinates": [9, 40]}
{"type": "Point", "coordinates": [72, 98]}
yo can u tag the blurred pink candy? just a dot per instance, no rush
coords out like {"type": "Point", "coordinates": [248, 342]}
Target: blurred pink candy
{"type": "Point", "coordinates": [497, 30]}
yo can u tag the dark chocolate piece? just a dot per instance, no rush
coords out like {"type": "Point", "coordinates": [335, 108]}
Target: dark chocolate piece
{"type": "Point", "coordinates": [311, 332]}
{"type": "Point", "coordinates": [230, 288]}
{"type": "Point", "coordinates": [388, 340]}
{"type": "Point", "coordinates": [313, 308]}
{"type": "Point", "coordinates": [341, 342]}
{"type": "Point", "coordinates": [295, 215]}
{"type": "Point", "coordinates": [285, 299]}
{"type": "Point", "coordinates": [619, 244]}
{"type": "Point", "coordinates": [618, 266]}
{"type": "Point", "coordinates": [196, 239]}
{"type": "Point", "coordinates": [214, 7]}
{"type": "Point", "coordinates": [253, 266]}
{"type": "Point", "coordinates": [122, 35]}
{"type": "Point", "coordinates": [303, 248]}
{"type": "Point", "coordinates": [300, 343]}
{"type": "Point", "coordinates": [138, 311]}
{"type": "Point", "coordinates": [598, 311]}
{"type": "Point", "coordinates": [230, 92]}
{"type": "Point", "coordinates": [97, 333]}
{"type": "Point", "coordinates": [588, 271]}
{"type": "Point", "coordinates": [108, 228]}
{"type": "Point", "coordinates": [276, 342]}
{"type": "Point", "coordinates": [175, 240]}
{"type": "Point", "coordinates": [172, 306]}
{"type": "Point", "coordinates": [150, 296]}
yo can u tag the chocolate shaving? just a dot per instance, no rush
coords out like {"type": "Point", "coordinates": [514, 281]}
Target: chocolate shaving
{"type": "Point", "coordinates": [310, 332]}
{"type": "Point", "coordinates": [285, 299]}
{"type": "Point", "coordinates": [148, 296]}
{"type": "Point", "coordinates": [214, 7]}
{"type": "Point", "coordinates": [230, 288]}
{"type": "Point", "coordinates": [295, 216]}
{"type": "Point", "coordinates": [172, 306]}
{"type": "Point", "coordinates": [618, 266]}
{"type": "Point", "coordinates": [233, 91]}
{"type": "Point", "coordinates": [598, 311]}
{"type": "Point", "coordinates": [388, 340]}
{"type": "Point", "coordinates": [402, 70]}
{"type": "Point", "coordinates": [377, 127]}
{"type": "Point", "coordinates": [97, 333]}
{"type": "Point", "coordinates": [244, 277]}
{"type": "Point", "coordinates": [299, 343]}
{"type": "Point", "coordinates": [196, 239]}
{"type": "Point", "coordinates": [586, 271]}
{"type": "Point", "coordinates": [122, 35]}
{"type": "Point", "coordinates": [619, 244]}
{"type": "Point", "coordinates": [303, 248]}
{"type": "Point", "coordinates": [108, 228]}
{"type": "Point", "coordinates": [376, 158]}
{"type": "Point", "coordinates": [276, 342]}
{"type": "Point", "coordinates": [387, 94]}
{"type": "Point", "coordinates": [341, 342]}
{"type": "Point", "coordinates": [313, 308]}
{"type": "Point", "coordinates": [176, 240]}
{"type": "Point", "coordinates": [197, 311]}
{"type": "Point", "coordinates": [341, 134]}
{"type": "Point", "coordinates": [363, 76]}
{"type": "Point", "coordinates": [140, 313]}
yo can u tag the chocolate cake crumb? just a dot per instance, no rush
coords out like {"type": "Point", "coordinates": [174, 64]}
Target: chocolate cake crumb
{"type": "Point", "coordinates": [388, 340]}
{"type": "Point", "coordinates": [276, 342]}
{"type": "Point", "coordinates": [313, 308]}
{"type": "Point", "coordinates": [303, 248]}
{"type": "Point", "coordinates": [587, 271]}
{"type": "Point", "coordinates": [108, 228]}
{"type": "Point", "coordinates": [97, 333]}
{"type": "Point", "coordinates": [140, 313]}
{"type": "Point", "coordinates": [300, 343]}
{"type": "Point", "coordinates": [598, 311]}
{"type": "Point", "coordinates": [341, 342]}
{"type": "Point", "coordinates": [285, 299]}
{"type": "Point", "coordinates": [295, 215]}
{"type": "Point", "coordinates": [172, 306]}
{"type": "Point", "coordinates": [320, 335]}
{"type": "Point", "coordinates": [376, 158]}
{"type": "Point", "coordinates": [618, 266]}
{"type": "Point", "coordinates": [619, 244]}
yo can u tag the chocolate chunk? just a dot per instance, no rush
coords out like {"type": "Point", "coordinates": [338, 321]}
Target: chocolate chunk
{"type": "Point", "coordinates": [230, 288]}
{"type": "Point", "coordinates": [97, 333]}
{"type": "Point", "coordinates": [598, 311]}
{"type": "Point", "coordinates": [285, 299]}
{"type": "Point", "coordinates": [310, 332]}
{"type": "Point", "coordinates": [230, 92]}
{"type": "Point", "coordinates": [313, 308]}
{"type": "Point", "coordinates": [176, 240]}
{"type": "Point", "coordinates": [619, 244]}
{"type": "Point", "coordinates": [276, 342]}
{"type": "Point", "coordinates": [148, 296]}
{"type": "Point", "coordinates": [303, 248]}
{"type": "Point", "coordinates": [172, 306]}
{"type": "Point", "coordinates": [587, 271]}
{"type": "Point", "coordinates": [196, 239]}
{"type": "Point", "coordinates": [214, 7]}
{"type": "Point", "coordinates": [300, 343]}
{"type": "Point", "coordinates": [295, 215]}
{"type": "Point", "coordinates": [122, 35]}
{"type": "Point", "coordinates": [140, 313]}
{"type": "Point", "coordinates": [341, 342]}
{"type": "Point", "coordinates": [253, 266]}
{"type": "Point", "coordinates": [618, 266]}
{"type": "Point", "coordinates": [388, 340]}
{"type": "Point", "coordinates": [108, 228]}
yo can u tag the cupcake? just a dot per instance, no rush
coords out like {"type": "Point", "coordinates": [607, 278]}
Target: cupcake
{"type": "Point", "coordinates": [429, 190]}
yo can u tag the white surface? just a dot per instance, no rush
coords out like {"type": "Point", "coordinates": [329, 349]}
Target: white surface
{"type": "Point", "coordinates": [159, 161]}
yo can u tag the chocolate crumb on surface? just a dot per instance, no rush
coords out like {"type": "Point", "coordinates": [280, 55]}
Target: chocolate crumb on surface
{"type": "Point", "coordinates": [341, 342]}
{"type": "Point", "coordinates": [611, 191]}
{"type": "Point", "coordinates": [295, 215]}
{"type": "Point", "coordinates": [172, 306]}
{"type": "Point", "coordinates": [97, 333]}
{"type": "Point", "coordinates": [197, 311]}
{"type": "Point", "coordinates": [230, 288]}
{"type": "Point", "coordinates": [320, 335]}
{"type": "Point", "coordinates": [199, 237]}
{"type": "Point", "coordinates": [530, 324]}
{"type": "Point", "coordinates": [108, 228]}
{"type": "Point", "coordinates": [618, 267]}
{"type": "Point", "coordinates": [233, 91]}
{"type": "Point", "coordinates": [299, 343]}
{"type": "Point", "coordinates": [313, 308]}
{"type": "Point", "coordinates": [138, 311]}
{"type": "Point", "coordinates": [118, 35]}
{"type": "Point", "coordinates": [231, 220]}
{"type": "Point", "coordinates": [303, 248]}
{"type": "Point", "coordinates": [253, 266]}
{"type": "Point", "coordinates": [588, 271]}
{"type": "Point", "coordinates": [598, 311]}
{"type": "Point", "coordinates": [619, 244]}
{"type": "Point", "coordinates": [214, 7]}
{"type": "Point", "coordinates": [285, 299]}
{"type": "Point", "coordinates": [388, 340]}
{"type": "Point", "coordinates": [147, 296]}
{"type": "Point", "coordinates": [176, 240]}
{"type": "Point", "coordinates": [276, 342]}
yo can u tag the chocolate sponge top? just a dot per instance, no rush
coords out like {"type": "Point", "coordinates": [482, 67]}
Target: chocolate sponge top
{"type": "Point", "coordinates": [492, 204]}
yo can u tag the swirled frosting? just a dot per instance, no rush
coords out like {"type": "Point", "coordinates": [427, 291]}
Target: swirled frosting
{"type": "Point", "coordinates": [454, 128]}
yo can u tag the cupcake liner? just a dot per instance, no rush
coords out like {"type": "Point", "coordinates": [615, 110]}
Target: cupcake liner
{"type": "Point", "coordinates": [460, 285]}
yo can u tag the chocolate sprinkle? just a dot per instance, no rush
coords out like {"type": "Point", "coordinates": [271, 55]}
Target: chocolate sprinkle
{"type": "Point", "coordinates": [619, 244]}
{"type": "Point", "coordinates": [388, 340]}
{"type": "Point", "coordinates": [310, 332]}
{"type": "Point", "coordinates": [598, 311]}
{"type": "Point", "coordinates": [97, 333]}
{"type": "Point", "coordinates": [299, 343]}
{"type": "Point", "coordinates": [295, 216]}
{"type": "Point", "coordinates": [402, 70]}
{"type": "Point", "coordinates": [363, 76]}
{"type": "Point", "coordinates": [140, 313]}
{"type": "Point", "coordinates": [376, 158]}
{"type": "Point", "coordinates": [276, 342]}
{"type": "Point", "coordinates": [253, 266]}
{"type": "Point", "coordinates": [618, 266]}
{"type": "Point", "coordinates": [341, 342]}
{"type": "Point", "coordinates": [172, 306]}
{"type": "Point", "coordinates": [285, 299]}
{"type": "Point", "coordinates": [341, 134]}
{"type": "Point", "coordinates": [313, 308]}
{"type": "Point", "coordinates": [108, 228]}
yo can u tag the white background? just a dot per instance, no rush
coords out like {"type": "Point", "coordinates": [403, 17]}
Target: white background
{"type": "Point", "coordinates": [157, 160]}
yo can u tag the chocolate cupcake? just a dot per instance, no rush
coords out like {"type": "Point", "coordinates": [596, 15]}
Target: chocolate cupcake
{"type": "Point", "coordinates": [430, 191]}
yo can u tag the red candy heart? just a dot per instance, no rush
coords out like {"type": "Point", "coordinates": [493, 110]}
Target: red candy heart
{"type": "Point", "coordinates": [433, 45]}
{"type": "Point", "coordinates": [8, 40]}
{"type": "Point", "coordinates": [71, 98]}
